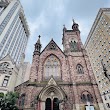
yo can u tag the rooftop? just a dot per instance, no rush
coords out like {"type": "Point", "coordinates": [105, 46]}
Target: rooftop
{"type": "Point", "coordinates": [101, 11]}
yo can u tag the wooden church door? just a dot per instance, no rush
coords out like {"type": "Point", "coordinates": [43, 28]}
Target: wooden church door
{"type": "Point", "coordinates": [55, 104]}
{"type": "Point", "coordinates": [48, 104]}
{"type": "Point", "coordinates": [51, 105]}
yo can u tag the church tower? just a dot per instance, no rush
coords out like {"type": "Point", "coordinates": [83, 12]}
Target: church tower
{"type": "Point", "coordinates": [37, 47]}
{"type": "Point", "coordinates": [71, 39]}
{"type": "Point", "coordinates": [35, 62]}
{"type": "Point", "coordinates": [61, 80]}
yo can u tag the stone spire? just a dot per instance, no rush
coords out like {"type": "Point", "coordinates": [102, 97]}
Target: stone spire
{"type": "Point", "coordinates": [75, 26]}
{"type": "Point", "coordinates": [64, 28]}
{"type": "Point", "coordinates": [37, 47]}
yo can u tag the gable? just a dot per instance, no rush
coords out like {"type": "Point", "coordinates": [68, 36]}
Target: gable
{"type": "Point", "coordinates": [52, 82]}
{"type": "Point", "coordinates": [52, 46]}
{"type": "Point", "coordinates": [7, 58]}
{"type": "Point", "coordinates": [52, 88]}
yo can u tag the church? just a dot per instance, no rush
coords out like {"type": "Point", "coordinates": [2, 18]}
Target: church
{"type": "Point", "coordinates": [60, 80]}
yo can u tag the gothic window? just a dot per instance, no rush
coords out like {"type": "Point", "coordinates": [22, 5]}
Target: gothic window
{"type": "Point", "coordinates": [52, 67]}
{"type": "Point", "coordinates": [79, 68]}
{"type": "Point", "coordinates": [83, 97]}
{"type": "Point", "coordinates": [49, 105]}
{"type": "Point", "coordinates": [22, 100]}
{"type": "Point", "coordinates": [86, 97]}
{"type": "Point", "coordinates": [89, 98]}
{"type": "Point", "coordinates": [73, 45]}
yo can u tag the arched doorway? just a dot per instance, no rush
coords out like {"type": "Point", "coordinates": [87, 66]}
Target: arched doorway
{"type": "Point", "coordinates": [51, 96]}
{"type": "Point", "coordinates": [52, 104]}
{"type": "Point", "coordinates": [55, 104]}
{"type": "Point", "coordinates": [48, 104]}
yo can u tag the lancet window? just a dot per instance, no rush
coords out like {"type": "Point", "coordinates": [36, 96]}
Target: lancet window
{"type": "Point", "coordinates": [79, 68]}
{"type": "Point", "coordinates": [52, 67]}
{"type": "Point", "coordinates": [86, 97]}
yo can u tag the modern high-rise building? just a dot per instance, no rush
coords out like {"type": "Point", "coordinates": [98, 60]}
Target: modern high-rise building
{"type": "Point", "coordinates": [14, 32]}
{"type": "Point", "coordinates": [98, 49]}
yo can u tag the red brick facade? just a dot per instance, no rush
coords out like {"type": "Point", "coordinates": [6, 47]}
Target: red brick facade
{"type": "Point", "coordinates": [71, 85]}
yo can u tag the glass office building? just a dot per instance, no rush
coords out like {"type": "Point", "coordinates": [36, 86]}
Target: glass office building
{"type": "Point", "coordinates": [14, 31]}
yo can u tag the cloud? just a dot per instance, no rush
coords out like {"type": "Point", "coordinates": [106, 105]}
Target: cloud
{"type": "Point", "coordinates": [38, 23]}
{"type": "Point", "coordinates": [46, 17]}
{"type": "Point", "coordinates": [35, 30]}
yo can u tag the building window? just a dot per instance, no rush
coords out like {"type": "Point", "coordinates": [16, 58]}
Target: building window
{"type": "Point", "coordinates": [108, 105]}
{"type": "Point", "coordinates": [52, 46]}
{"type": "Point", "coordinates": [52, 67]}
{"type": "Point", "coordinates": [109, 96]}
{"type": "Point", "coordinates": [79, 68]}
{"type": "Point", "coordinates": [86, 97]}
{"type": "Point", "coordinates": [73, 45]}
{"type": "Point", "coordinates": [22, 100]}
{"type": "Point", "coordinates": [89, 98]}
{"type": "Point", "coordinates": [99, 55]}
{"type": "Point", "coordinates": [83, 97]}
{"type": "Point", "coordinates": [5, 81]}
{"type": "Point", "coordinates": [4, 65]}
{"type": "Point", "coordinates": [8, 33]}
{"type": "Point", "coordinates": [7, 18]}
{"type": "Point", "coordinates": [105, 97]}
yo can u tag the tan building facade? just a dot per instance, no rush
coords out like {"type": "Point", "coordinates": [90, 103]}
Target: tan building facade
{"type": "Point", "coordinates": [8, 75]}
{"type": "Point", "coordinates": [12, 75]}
{"type": "Point", "coordinates": [98, 49]}
{"type": "Point", "coordinates": [60, 80]}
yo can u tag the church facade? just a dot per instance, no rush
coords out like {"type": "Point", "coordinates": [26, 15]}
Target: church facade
{"type": "Point", "coordinates": [60, 80]}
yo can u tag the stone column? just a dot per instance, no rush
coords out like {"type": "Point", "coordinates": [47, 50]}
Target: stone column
{"type": "Point", "coordinates": [42, 105]}
{"type": "Point", "coordinates": [76, 106]}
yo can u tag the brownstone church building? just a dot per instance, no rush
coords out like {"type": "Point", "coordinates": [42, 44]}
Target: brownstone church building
{"type": "Point", "coordinates": [61, 80]}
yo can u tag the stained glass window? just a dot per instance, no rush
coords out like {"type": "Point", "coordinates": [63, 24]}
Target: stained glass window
{"type": "Point", "coordinates": [52, 67]}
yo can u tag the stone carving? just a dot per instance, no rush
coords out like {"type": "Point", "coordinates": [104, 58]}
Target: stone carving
{"type": "Point", "coordinates": [5, 69]}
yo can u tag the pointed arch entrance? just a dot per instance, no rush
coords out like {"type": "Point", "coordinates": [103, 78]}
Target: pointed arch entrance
{"type": "Point", "coordinates": [52, 104]}
{"type": "Point", "coordinates": [50, 97]}
{"type": "Point", "coordinates": [55, 104]}
{"type": "Point", "coordinates": [48, 104]}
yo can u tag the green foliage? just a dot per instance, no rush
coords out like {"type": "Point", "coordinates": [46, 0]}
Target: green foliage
{"type": "Point", "coordinates": [8, 102]}
{"type": "Point", "coordinates": [1, 94]}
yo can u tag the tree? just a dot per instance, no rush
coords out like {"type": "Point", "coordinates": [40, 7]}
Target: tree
{"type": "Point", "coordinates": [8, 101]}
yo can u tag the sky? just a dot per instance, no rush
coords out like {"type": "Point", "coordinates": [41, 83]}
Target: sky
{"type": "Point", "coordinates": [47, 17]}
